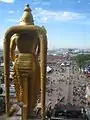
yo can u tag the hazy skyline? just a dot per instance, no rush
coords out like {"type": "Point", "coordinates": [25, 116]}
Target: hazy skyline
{"type": "Point", "coordinates": [67, 21]}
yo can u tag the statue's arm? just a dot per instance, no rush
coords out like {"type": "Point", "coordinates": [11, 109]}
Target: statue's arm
{"type": "Point", "coordinates": [43, 35]}
{"type": "Point", "coordinates": [43, 62]}
{"type": "Point", "coordinates": [12, 49]}
{"type": "Point", "coordinates": [13, 43]}
{"type": "Point", "coordinates": [38, 51]}
{"type": "Point", "coordinates": [43, 44]}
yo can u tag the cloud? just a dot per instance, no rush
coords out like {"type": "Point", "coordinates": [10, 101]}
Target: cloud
{"type": "Point", "coordinates": [46, 3]}
{"type": "Point", "coordinates": [18, 11]}
{"type": "Point", "coordinates": [1, 40]}
{"type": "Point", "coordinates": [11, 11]}
{"type": "Point", "coordinates": [7, 1]}
{"type": "Point", "coordinates": [44, 16]}
{"type": "Point", "coordinates": [36, 2]}
{"type": "Point", "coordinates": [13, 20]}
{"type": "Point", "coordinates": [78, 1]}
{"type": "Point", "coordinates": [41, 2]}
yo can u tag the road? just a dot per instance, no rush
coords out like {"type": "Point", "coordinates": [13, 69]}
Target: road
{"type": "Point", "coordinates": [66, 119]}
{"type": "Point", "coordinates": [18, 118]}
{"type": "Point", "coordinates": [59, 82]}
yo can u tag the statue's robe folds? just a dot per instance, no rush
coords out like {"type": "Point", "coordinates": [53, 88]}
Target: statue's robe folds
{"type": "Point", "coordinates": [27, 69]}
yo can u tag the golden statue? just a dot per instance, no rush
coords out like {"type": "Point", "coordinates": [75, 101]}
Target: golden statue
{"type": "Point", "coordinates": [29, 75]}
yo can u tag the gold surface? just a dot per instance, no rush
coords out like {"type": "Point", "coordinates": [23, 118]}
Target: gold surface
{"type": "Point", "coordinates": [29, 76]}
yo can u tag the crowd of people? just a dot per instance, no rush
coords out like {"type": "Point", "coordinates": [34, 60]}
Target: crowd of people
{"type": "Point", "coordinates": [58, 83]}
{"type": "Point", "coordinates": [58, 86]}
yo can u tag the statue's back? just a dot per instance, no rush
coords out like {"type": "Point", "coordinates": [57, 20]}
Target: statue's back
{"type": "Point", "coordinates": [27, 43]}
{"type": "Point", "coordinates": [27, 73]}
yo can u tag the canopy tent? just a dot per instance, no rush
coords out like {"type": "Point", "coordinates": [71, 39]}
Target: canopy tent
{"type": "Point", "coordinates": [62, 64]}
{"type": "Point", "coordinates": [2, 65]}
{"type": "Point", "coordinates": [87, 91]}
{"type": "Point", "coordinates": [48, 69]}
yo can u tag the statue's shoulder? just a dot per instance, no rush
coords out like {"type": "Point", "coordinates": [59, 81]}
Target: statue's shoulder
{"type": "Point", "coordinates": [38, 28]}
{"type": "Point", "coordinates": [41, 30]}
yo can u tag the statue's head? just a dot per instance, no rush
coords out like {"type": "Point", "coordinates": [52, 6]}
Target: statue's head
{"type": "Point", "coordinates": [27, 18]}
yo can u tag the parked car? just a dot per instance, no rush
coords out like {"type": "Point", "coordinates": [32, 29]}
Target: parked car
{"type": "Point", "coordinates": [2, 101]}
{"type": "Point", "coordinates": [67, 111]}
{"type": "Point", "coordinates": [2, 96]}
{"type": "Point", "coordinates": [12, 90]}
{"type": "Point", "coordinates": [87, 115]}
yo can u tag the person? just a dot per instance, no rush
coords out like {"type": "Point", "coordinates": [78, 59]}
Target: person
{"type": "Point", "coordinates": [58, 104]}
{"type": "Point", "coordinates": [49, 111]}
{"type": "Point", "coordinates": [1, 90]}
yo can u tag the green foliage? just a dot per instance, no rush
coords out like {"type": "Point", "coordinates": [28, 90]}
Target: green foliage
{"type": "Point", "coordinates": [70, 50]}
{"type": "Point", "coordinates": [1, 70]}
{"type": "Point", "coordinates": [82, 59]}
{"type": "Point", "coordinates": [1, 103]}
{"type": "Point", "coordinates": [87, 63]}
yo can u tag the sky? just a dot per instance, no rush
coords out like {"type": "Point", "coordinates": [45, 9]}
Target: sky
{"type": "Point", "coordinates": [67, 21]}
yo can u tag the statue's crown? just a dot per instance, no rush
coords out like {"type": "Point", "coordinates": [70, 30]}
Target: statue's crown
{"type": "Point", "coordinates": [27, 17]}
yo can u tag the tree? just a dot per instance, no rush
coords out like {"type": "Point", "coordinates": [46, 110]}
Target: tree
{"type": "Point", "coordinates": [82, 59]}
